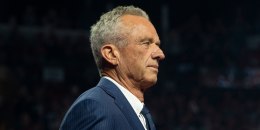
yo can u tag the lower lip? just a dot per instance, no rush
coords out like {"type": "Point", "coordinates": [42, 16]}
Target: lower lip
{"type": "Point", "coordinates": [154, 68]}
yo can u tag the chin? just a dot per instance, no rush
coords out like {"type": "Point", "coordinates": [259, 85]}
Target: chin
{"type": "Point", "coordinates": [150, 82]}
{"type": "Point", "coordinates": [153, 78]}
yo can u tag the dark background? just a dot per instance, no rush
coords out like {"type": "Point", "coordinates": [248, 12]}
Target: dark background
{"type": "Point", "coordinates": [209, 80]}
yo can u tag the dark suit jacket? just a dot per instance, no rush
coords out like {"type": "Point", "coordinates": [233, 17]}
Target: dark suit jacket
{"type": "Point", "coordinates": [103, 107]}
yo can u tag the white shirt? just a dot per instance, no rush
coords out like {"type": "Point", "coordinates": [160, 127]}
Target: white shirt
{"type": "Point", "coordinates": [136, 104]}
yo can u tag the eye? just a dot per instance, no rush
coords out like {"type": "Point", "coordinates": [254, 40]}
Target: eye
{"type": "Point", "coordinates": [147, 42]}
{"type": "Point", "coordinates": [158, 44]}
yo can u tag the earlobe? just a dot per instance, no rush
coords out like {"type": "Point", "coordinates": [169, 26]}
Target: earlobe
{"type": "Point", "coordinates": [110, 54]}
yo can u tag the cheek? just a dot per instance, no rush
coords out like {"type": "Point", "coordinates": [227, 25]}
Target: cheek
{"type": "Point", "coordinates": [137, 64]}
{"type": "Point", "coordinates": [147, 58]}
{"type": "Point", "coordinates": [136, 60]}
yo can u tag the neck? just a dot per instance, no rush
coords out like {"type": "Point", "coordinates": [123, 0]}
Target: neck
{"type": "Point", "coordinates": [132, 87]}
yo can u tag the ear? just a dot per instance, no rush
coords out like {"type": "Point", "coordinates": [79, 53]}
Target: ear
{"type": "Point", "coordinates": [110, 53]}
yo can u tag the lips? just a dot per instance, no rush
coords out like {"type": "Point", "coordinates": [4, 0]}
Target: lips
{"type": "Point", "coordinates": [153, 66]}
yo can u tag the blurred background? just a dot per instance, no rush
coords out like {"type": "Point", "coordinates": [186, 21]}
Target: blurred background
{"type": "Point", "coordinates": [209, 80]}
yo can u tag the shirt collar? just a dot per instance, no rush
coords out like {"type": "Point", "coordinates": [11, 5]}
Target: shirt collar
{"type": "Point", "coordinates": [136, 104]}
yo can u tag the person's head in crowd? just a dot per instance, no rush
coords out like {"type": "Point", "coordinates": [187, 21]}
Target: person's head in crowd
{"type": "Point", "coordinates": [126, 47]}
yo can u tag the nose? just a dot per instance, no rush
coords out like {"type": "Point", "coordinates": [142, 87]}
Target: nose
{"type": "Point", "coordinates": [158, 54]}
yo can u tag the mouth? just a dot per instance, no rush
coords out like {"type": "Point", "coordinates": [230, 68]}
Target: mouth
{"type": "Point", "coordinates": [153, 66]}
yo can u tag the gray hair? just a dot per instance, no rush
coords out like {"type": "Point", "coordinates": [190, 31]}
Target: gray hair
{"type": "Point", "coordinates": [109, 29]}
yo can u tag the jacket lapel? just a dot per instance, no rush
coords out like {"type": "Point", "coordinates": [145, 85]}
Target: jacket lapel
{"type": "Point", "coordinates": [121, 102]}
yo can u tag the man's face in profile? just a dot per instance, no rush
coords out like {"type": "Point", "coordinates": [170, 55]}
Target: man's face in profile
{"type": "Point", "coordinates": [139, 59]}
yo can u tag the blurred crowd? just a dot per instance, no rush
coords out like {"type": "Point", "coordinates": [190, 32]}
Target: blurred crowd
{"type": "Point", "coordinates": [209, 80]}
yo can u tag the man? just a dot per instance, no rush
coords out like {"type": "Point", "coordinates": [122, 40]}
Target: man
{"type": "Point", "coordinates": [126, 50]}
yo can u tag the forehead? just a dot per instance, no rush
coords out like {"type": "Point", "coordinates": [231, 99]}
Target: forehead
{"type": "Point", "coordinates": [139, 26]}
